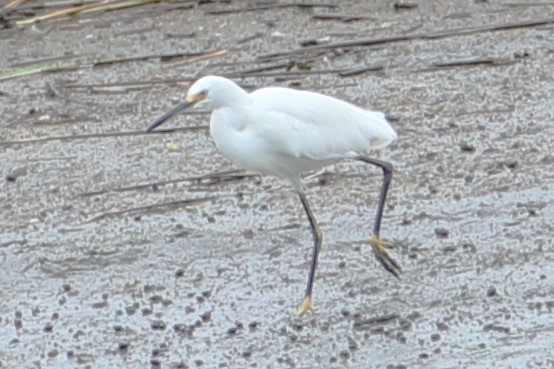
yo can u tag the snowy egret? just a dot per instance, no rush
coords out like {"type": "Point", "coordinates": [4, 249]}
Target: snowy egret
{"type": "Point", "coordinates": [284, 132]}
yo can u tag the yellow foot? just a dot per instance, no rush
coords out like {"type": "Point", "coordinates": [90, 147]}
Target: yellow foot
{"type": "Point", "coordinates": [306, 307]}
{"type": "Point", "coordinates": [380, 249]}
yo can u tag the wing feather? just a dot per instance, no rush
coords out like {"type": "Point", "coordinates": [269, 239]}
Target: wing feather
{"type": "Point", "coordinates": [315, 126]}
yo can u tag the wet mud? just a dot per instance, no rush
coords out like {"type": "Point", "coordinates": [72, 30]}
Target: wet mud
{"type": "Point", "coordinates": [124, 249]}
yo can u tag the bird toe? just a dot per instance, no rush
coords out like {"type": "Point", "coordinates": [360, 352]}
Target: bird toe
{"type": "Point", "coordinates": [306, 307]}
{"type": "Point", "coordinates": [380, 249]}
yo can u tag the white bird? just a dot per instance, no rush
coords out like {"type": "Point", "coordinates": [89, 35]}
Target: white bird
{"type": "Point", "coordinates": [284, 133]}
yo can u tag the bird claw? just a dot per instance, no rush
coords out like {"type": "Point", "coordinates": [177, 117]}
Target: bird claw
{"type": "Point", "coordinates": [306, 307]}
{"type": "Point", "coordinates": [380, 249]}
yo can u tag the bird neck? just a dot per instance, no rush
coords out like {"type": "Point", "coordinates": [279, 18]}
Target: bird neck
{"type": "Point", "coordinates": [240, 98]}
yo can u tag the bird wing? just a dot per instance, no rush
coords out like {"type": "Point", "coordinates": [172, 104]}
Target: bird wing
{"type": "Point", "coordinates": [315, 126]}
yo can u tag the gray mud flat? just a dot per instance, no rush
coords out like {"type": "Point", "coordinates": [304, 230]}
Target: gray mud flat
{"type": "Point", "coordinates": [125, 250]}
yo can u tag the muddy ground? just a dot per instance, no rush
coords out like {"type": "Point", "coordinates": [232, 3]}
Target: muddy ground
{"type": "Point", "coordinates": [120, 249]}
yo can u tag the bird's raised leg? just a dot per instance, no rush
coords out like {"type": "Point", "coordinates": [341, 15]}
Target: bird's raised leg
{"type": "Point", "coordinates": [380, 246]}
{"type": "Point", "coordinates": [307, 306]}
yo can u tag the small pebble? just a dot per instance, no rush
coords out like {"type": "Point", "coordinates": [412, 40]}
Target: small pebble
{"type": "Point", "coordinates": [441, 232]}
{"type": "Point", "coordinates": [521, 54]}
{"type": "Point", "coordinates": [189, 309]}
{"type": "Point", "coordinates": [400, 337]}
{"type": "Point", "coordinates": [158, 325]}
{"type": "Point", "coordinates": [449, 249]}
{"type": "Point", "coordinates": [206, 317]}
{"type": "Point", "coordinates": [16, 172]}
{"type": "Point", "coordinates": [130, 310]}
{"type": "Point", "coordinates": [466, 147]}
{"type": "Point", "coordinates": [413, 316]}
{"type": "Point", "coordinates": [512, 164]}
{"type": "Point", "coordinates": [442, 326]}
{"type": "Point", "coordinates": [401, 5]}
{"type": "Point", "coordinates": [100, 305]}
{"type": "Point", "coordinates": [344, 355]}
{"type": "Point", "coordinates": [405, 324]}
{"type": "Point", "coordinates": [155, 299]}
{"type": "Point", "coordinates": [352, 344]}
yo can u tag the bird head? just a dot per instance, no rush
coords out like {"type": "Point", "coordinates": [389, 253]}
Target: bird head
{"type": "Point", "coordinates": [211, 92]}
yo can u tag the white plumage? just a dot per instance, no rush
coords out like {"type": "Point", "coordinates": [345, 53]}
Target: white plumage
{"type": "Point", "coordinates": [285, 132]}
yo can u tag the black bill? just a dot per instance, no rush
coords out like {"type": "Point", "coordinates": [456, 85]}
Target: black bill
{"type": "Point", "coordinates": [176, 110]}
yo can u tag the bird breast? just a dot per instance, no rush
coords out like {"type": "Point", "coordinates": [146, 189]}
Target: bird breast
{"type": "Point", "coordinates": [257, 142]}
{"type": "Point", "coordinates": [229, 129]}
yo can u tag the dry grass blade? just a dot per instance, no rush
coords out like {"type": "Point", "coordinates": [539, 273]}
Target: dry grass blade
{"type": "Point", "coordinates": [212, 177]}
{"type": "Point", "coordinates": [208, 55]}
{"type": "Point", "coordinates": [474, 61]}
{"type": "Point", "coordinates": [364, 42]}
{"type": "Point", "coordinates": [272, 6]}
{"type": "Point", "coordinates": [105, 5]}
{"type": "Point", "coordinates": [260, 72]}
{"type": "Point", "coordinates": [57, 13]}
{"type": "Point", "coordinates": [149, 209]}
{"type": "Point", "coordinates": [342, 17]}
{"type": "Point", "coordinates": [22, 72]}
{"type": "Point", "coordinates": [97, 135]}
{"type": "Point", "coordinates": [190, 56]}
{"type": "Point", "coordinates": [118, 5]}
{"type": "Point", "coordinates": [14, 4]}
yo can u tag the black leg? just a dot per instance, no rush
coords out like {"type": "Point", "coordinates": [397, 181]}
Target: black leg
{"type": "Point", "coordinates": [307, 306]}
{"type": "Point", "coordinates": [378, 245]}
